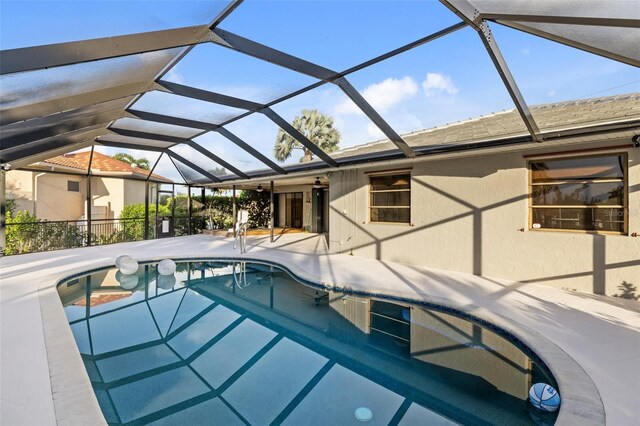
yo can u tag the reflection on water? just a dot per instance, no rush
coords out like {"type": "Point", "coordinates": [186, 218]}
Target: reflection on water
{"type": "Point", "coordinates": [244, 343]}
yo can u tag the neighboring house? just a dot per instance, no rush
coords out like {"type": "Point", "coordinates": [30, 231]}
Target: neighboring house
{"type": "Point", "coordinates": [564, 212]}
{"type": "Point", "coordinates": [49, 193]}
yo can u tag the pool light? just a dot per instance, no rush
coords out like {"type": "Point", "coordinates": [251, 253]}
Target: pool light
{"type": "Point", "coordinates": [363, 414]}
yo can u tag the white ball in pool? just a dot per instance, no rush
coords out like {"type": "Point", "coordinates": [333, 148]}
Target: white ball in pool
{"type": "Point", "coordinates": [119, 260]}
{"type": "Point", "coordinates": [166, 282]}
{"type": "Point", "coordinates": [129, 266]}
{"type": "Point", "coordinates": [544, 397]}
{"type": "Point", "coordinates": [127, 282]}
{"type": "Point", "coordinates": [167, 267]}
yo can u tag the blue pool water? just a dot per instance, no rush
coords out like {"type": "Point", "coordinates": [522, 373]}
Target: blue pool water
{"type": "Point", "coordinates": [245, 343]}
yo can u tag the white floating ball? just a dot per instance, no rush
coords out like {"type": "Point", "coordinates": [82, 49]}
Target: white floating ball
{"type": "Point", "coordinates": [129, 266]}
{"type": "Point", "coordinates": [544, 397]}
{"type": "Point", "coordinates": [119, 260]}
{"type": "Point", "coordinates": [167, 267]}
{"type": "Point", "coordinates": [127, 282]}
{"type": "Point", "coordinates": [166, 282]}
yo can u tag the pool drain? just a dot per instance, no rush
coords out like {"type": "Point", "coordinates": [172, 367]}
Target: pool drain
{"type": "Point", "coordinates": [363, 414]}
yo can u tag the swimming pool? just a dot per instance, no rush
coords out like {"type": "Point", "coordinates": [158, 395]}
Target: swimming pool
{"type": "Point", "coordinates": [224, 342]}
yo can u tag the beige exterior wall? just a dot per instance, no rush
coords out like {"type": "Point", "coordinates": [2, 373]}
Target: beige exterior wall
{"type": "Point", "coordinates": [133, 192]}
{"type": "Point", "coordinates": [46, 195]}
{"type": "Point", "coordinates": [107, 195]}
{"type": "Point", "coordinates": [115, 194]}
{"type": "Point", "coordinates": [466, 213]}
{"type": "Point", "coordinates": [20, 188]}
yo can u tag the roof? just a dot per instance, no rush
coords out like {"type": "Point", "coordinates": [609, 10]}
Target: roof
{"type": "Point", "coordinates": [504, 124]}
{"type": "Point", "coordinates": [100, 163]}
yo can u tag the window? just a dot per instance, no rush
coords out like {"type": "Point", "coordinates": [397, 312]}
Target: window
{"type": "Point", "coordinates": [582, 193]}
{"type": "Point", "coordinates": [390, 198]}
{"type": "Point", "coordinates": [73, 186]}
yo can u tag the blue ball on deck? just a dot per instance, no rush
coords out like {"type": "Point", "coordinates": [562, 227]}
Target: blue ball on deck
{"type": "Point", "coordinates": [544, 397]}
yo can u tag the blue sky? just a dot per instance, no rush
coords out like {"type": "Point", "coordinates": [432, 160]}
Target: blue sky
{"type": "Point", "coordinates": [444, 81]}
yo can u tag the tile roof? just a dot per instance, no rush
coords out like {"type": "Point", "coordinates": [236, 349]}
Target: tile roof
{"type": "Point", "coordinates": [504, 124]}
{"type": "Point", "coordinates": [100, 162]}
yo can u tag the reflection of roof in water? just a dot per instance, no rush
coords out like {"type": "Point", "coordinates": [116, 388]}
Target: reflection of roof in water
{"type": "Point", "coordinates": [99, 299]}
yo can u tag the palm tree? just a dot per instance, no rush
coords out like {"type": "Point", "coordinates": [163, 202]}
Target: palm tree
{"type": "Point", "coordinates": [142, 163]}
{"type": "Point", "coordinates": [317, 127]}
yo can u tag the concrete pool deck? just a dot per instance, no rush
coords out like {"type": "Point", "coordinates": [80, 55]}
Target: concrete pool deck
{"type": "Point", "coordinates": [42, 379]}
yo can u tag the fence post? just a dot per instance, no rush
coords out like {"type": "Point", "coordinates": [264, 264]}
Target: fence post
{"type": "Point", "coordinates": [89, 202]}
{"type": "Point", "coordinates": [189, 209]}
{"type": "Point", "coordinates": [146, 210]}
{"type": "Point", "coordinates": [3, 207]}
{"type": "Point", "coordinates": [271, 221]}
{"type": "Point", "coordinates": [203, 198]}
{"type": "Point", "coordinates": [235, 215]}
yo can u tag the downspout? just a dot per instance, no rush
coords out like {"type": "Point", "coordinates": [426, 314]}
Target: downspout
{"type": "Point", "coordinates": [34, 183]}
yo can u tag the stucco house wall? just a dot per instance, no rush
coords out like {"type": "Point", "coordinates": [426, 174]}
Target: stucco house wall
{"type": "Point", "coordinates": [466, 216]}
{"type": "Point", "coordinates": [46, 195]}
{"type": "Point", "coordinates": [19, 187]}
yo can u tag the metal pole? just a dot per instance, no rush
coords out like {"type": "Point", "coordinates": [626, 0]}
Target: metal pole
{"type": "Point", "coordinates": [89, 202]}
{"type": "Point", "coordinates": [155, 225]}
{"type": "Point", "coordinates": [203, 198]}
{"type": "Point", "coordinates": [271, 221]}
{"type": "Point", "coordinates": [234, 213]}
{"type": "Point", "coordinates": [146, 210]}
{"type": "Point", "coordinates": [173, 209]}
{"type": "Point", "coordinates": [3, 207]}
{"type": "Point", "coordinates": [189, 208]}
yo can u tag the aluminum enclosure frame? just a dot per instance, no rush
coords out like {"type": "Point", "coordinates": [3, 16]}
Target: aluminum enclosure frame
{"type": "Point", "coordinates": [61, 134]}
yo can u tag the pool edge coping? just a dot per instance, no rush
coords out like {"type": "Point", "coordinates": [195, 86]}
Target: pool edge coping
{"type": "Point", "coordinates": [581, 401]}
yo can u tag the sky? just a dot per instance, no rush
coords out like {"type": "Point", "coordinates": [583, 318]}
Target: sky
{"type": "Point", "coordinates": [445, 81]}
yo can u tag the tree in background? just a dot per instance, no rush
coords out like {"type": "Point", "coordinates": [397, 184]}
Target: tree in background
{"type": "Point", "coordinates": [142, 163]}
{"type": "Point", "coordinates": [317, 127]}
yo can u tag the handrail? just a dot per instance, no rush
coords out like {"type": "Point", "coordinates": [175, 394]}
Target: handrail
{"type": "Point", "coordinates": [242, 235]}
{"type": "Point", "coordinates": [128, 219]}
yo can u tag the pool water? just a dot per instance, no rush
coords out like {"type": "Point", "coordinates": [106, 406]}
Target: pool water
{"type": "Point", "coordinates": [245, 343]}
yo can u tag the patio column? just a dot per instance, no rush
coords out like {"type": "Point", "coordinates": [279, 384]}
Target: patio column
{"type": "Point", "coordinates": [146, 210]}
{"type": "Point", "coordinates": [89, 199]}
{"type": "Point", "coordinates": [3, 207]}
{"type": "Point", "coordinates": [233, 204]}
{"type": "Point", "coordinates": [271, 221]}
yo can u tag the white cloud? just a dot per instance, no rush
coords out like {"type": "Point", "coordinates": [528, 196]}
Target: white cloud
{"type": "Point", "coordinates": [551, 93]}
{"type": "Point", "coordinates": [436, 82]}
{"type": "Point", "coordinates": [525, 51]}
{"type": "Point", "coordinates": [174, 76]}
{"type": "Point", "coordinates": [382, 96]}
{"type": "Point", "coordinates": [374, 131]}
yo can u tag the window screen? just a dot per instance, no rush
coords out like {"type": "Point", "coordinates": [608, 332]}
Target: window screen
{"type": "Point", "coordinates": [584, 193]}
{"type": "Point", "coordinates": [73, 186]}
{"type": "Point", "coordinates": [390, 198]}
